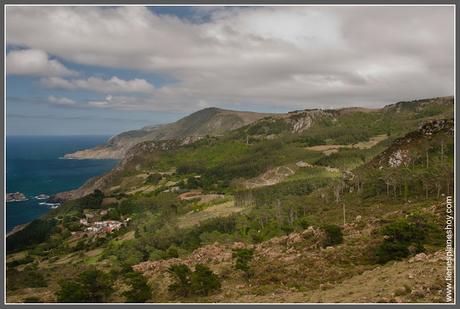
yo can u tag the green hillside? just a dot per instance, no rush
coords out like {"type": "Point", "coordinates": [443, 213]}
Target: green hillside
{"type": "Point", "coordinates": [209, 121]}
{"type": "Point", "coordinates": [295, 207]}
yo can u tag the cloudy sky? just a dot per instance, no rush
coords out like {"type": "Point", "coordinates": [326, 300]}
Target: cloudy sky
{"type": "Point", "coordinates": [102, 70]}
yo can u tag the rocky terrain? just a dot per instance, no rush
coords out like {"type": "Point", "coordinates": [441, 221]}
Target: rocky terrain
{"type": "Point", "coordinates": [15, 197]}
{"type": "Point", "coordinates": [418, 279]}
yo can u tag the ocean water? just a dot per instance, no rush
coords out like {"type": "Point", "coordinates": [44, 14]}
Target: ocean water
{"type": "Point", "coordinates": [33, 166]}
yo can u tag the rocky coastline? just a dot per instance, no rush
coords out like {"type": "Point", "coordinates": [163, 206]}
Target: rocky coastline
{"type": "Point", "coordinates": [16, 197]}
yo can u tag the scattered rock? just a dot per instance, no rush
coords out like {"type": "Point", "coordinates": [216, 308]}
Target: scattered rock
{"type": "Point", "coordinates": [401, 291]}
{"type": "Point", "coordinates": [303, 164]}
{"type": "Point", "coordinates": [238, 245]}
{"type": "Point", "coordinates": [420, 257]}
{"type": "Point", "coordinates": [398, 158]}
{"type": "Point", "coordinates": [418, 292]}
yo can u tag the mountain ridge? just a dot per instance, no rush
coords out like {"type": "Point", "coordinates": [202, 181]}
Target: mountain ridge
{"type": "Point", "coordinates": [214, 121]}
{"type": "Point", "coordinates": [142, 155]}
{"type": "Point", "coordinates": [211, 121]}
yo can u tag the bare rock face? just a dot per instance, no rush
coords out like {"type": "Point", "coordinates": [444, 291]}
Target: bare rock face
{"type": "Point", "coordinates": [302, 121]}
{"type": "Point", "coordinates": [398, 158]}
{"type": "Point", "coordinates": [437, 125]}
{"type": "Point", "coordinates": [190, 140]}
{"type": "Point", "coordinates": [301, 124]}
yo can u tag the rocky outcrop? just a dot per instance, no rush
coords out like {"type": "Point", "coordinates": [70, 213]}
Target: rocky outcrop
{"type": "Point", "coordinates": [15, 197]}
{"type": "Point", "coordinates": [302, 121]}
{"type": "Point", "coordinates": [398, 154]}
{"type": "Point", "coordinates": [437, 125]}
{"type": "Point", "coordinates": [398, 158]}
{"type": "Point", "coordinates": [283, 246]}
{"type": "Point", "coordinates": [204, 255]}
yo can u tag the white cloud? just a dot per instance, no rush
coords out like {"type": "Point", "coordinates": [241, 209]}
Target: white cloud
{"type": "Point", "coordinates": [114, 84]}
{"type": "Point", "coordinates": [34, 62]}
{"type": "Point", "coordinates": [61, 101]}
{"type": "Point", "coordinates": [124, 103]}
{"type": "Point", "coordinates": [281, 56]}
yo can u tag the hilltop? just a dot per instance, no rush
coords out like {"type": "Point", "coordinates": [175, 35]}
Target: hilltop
{"type": "Point", "coordinates": [311, 135]}
{"type": "Point", "coordinates": [209, 121]}
{"type": "Point", "coordinates": [215, 122]}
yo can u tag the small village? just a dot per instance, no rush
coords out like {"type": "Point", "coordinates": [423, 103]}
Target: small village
{"type": "Point", "coordinates": [103, 226]}
{"type": "Point", "coordinates": [93, 226]}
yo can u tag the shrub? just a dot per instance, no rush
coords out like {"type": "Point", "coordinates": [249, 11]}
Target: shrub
{"type": "Point", "coordinates": [28, 278]}
{"type": "Point", "coordinates": [181, 274]}
{"type": "Point", "coordinates": [153, 179]}
{"type": "Point", "coordinates": [93, 200]}
{"type": "Point", "coordinates": [127, 207]}
{"type": "Point", "coordinates": [90, 286]}
{"type": "Point", "coordinates": [304, 222]}
{"type": "Point", "coordinates": [403, 234]}
{"type": "Point", "coordinates": [200, 282]}
{"type": "Point", "coordinates": [172, 252]}
{"type": "Point", "coordinates": [140, 291]}
{"type": "Point", "coordinates": [243, 258]}
{"type": "Point", "coordinates": [403, 231]}
{"type": "Point", "coordinates": [192, 183]}
{"type": "Point", "coordinates": [334, 235]}
{"type": "Point", "coordinates": [309, 141]}
{"type": "Point", "coordinates": [203, 281]}
{"type": "Point", "coordinates": [74, 226]}
{"type": "Point", "coordinates": [26, 260]}
{"type": "Point", "coordinates": [35, 232]}
{"type": "Point", "coordinates": [287, 229]}
{"type": "Point", "coordinates": [72, 292]}
{"type": "Point", "coordinates": [388, 251]}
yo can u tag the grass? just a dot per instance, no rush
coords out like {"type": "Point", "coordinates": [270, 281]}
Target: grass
{"type": "Point", "coordinates": [312, 173]}
{"type": "Point", "coordinates": [200, 205]}
{"type": "Point", "coordinates": [220, 210]}
{"type": "Point", "coordinates": [128, 236]}
{"type": "Point", "coordinates": [209, 155]}
{"type": "Point", "coordinates": [330, 149]}
{"type": "Point", "coordinates": [92, 260]}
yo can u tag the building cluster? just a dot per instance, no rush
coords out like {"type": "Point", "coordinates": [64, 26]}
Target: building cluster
{"type": "Point", "coordinates": [103, 226]}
